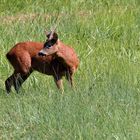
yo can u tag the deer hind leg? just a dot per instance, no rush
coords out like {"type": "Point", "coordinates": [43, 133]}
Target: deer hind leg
{"type": "Point", "coordinates": [12, 81]}
{"type": "Point", "coordinates": [69, 76]}
{"type": "Point", "coordinates": [20, 80]}
{"type": "Point", "coordinates": [16, 80]}
{"type": "Point", "coordinates": [9, 83]}
{"type": "Point", "coordinates": [22, 66]}
{"type": "Point", "coordinates": [24, 69]}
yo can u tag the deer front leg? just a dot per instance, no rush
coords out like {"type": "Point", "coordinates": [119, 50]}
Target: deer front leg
{"type": "Point", "coordinates": [59, 83]}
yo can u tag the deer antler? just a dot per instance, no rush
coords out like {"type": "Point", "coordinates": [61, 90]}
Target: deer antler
{"type": "Point", "coordinates": [54, 28]}
{"type": "Point", "coordinates": [52, 32]}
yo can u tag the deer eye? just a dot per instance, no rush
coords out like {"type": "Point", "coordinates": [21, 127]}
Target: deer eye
{"type": "Point", "coordinates": [48, 46]}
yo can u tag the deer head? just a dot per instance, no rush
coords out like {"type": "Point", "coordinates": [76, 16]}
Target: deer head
{"type": "Point", "coordinates": [50, 44]}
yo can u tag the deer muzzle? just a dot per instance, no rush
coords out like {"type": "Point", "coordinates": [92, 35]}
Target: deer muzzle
{"type": "Point", "coordinates": [42, 53]}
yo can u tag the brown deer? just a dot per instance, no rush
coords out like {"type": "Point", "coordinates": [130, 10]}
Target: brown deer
{"type": "Point", "coordinates": [51, 58]}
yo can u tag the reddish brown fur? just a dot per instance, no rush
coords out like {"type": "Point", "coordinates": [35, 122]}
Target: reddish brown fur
{"type": "Point", "coordinates": [25, 59]}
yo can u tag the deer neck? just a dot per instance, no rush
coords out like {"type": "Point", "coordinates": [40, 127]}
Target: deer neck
{"type": "Point", "coordinates": [61, 50]}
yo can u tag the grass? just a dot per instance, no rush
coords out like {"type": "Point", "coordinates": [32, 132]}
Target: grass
{"type": "Point", "coordinates": [106, 101]}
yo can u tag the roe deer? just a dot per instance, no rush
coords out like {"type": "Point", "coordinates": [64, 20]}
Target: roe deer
{"type": "Point", "coordinates": [51, 58]}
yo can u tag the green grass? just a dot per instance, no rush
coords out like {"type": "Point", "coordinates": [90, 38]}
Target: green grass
{"type": "Point", "coordinates": [105, 104]}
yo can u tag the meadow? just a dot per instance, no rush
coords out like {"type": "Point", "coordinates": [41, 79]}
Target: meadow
{"type": "Point", "coordinates": [105, 104]}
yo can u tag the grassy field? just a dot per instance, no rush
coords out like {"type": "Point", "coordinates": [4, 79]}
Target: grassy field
{"type": "Point", "coordinates": [105, 104]}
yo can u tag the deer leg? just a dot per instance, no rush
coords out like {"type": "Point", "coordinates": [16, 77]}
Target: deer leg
{"type": "Point", "coordinates": [69, 77]}
{"type": "Point", "coordinates": [20, 80]}
{"type": "Point", "coordinates": [9, 83]}
{"type": "Point", "coordinates": [59, 83]}
{"type": "Point", "coordinates": [16, 80]}
{"type": "Point", "coordinates": [13, 80]}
